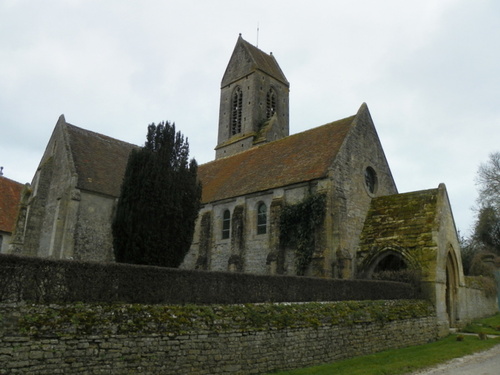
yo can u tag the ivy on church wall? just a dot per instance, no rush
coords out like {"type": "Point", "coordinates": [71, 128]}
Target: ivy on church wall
{"type": "Point", "coordinates": [298, 227]}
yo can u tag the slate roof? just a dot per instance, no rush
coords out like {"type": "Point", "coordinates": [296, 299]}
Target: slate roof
{"type": "Point", "coordinates": [404, 219]}
{"type": "Point", "coordinates": [297, 158]}
{"type": "Point", "coordinates": [259, 60]}
{"type": "Point", "coordinates": [100, 161]}
{"type": "Point", "coordinates": [10, 196]}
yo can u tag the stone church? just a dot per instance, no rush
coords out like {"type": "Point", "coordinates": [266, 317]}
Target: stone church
{"type": "Point", "coordinates": [258, 171]}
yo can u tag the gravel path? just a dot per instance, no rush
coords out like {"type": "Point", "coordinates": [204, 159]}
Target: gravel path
{"type": "Point", "coordinates": [482, 363]}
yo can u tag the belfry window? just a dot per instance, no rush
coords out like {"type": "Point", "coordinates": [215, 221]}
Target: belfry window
{"type": "Point", "coordinates": [371, 180]}
{"type": "Point", "coordinates": [226, 224]}
{"type": "Point", "coordinates": [261, 218]}
{"type": "Point", "coordinates": [270, 103]}
{"type": "Point", "coordinates": [236, 109]}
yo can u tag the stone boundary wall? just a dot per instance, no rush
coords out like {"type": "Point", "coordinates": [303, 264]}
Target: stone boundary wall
{"type": "Point", "coordinates": [34, 339]}
{"type": "Point", "coordinates": [476, 303]}
{"type": "Point", "coordinates": [497, 279]}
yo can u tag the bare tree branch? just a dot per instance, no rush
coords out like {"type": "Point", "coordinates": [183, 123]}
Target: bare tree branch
{"type": "Point", "coordinates": [488, 181]}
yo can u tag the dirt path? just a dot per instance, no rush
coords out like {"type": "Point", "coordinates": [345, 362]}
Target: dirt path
{"type": "Point", "coordinates": [482, 363]}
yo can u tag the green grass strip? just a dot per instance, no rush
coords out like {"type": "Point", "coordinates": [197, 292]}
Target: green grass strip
{"type": "Point", "coordinates": [402, 361]}
{"type": "Point", "coordinates": [490, 326]}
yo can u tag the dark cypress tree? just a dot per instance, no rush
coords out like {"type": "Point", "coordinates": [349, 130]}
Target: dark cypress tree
{"type": "Point", "coordinates": [159, 201]}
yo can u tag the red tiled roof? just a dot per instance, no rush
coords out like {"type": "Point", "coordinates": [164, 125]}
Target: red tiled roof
{"type": "Point", "coordinates": [298, 158]}
{"type": "Point", "coordinates": [100, 161]}
{"type": "Point", "coordinates": [10, 195]}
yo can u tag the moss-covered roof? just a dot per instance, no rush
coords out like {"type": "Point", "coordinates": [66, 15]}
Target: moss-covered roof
{"type": "Point", "coordinates": [405, 220]}
{"type": "Point", "coordinates": [298, 158]}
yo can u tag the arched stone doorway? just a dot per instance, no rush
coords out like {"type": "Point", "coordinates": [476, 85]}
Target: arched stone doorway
{"type": "Point", "coordinates": [451, 288]}
{"type": "Point", "coordinates": [386, 261]}
{"type": "Point", "coordinates": [390, 262]}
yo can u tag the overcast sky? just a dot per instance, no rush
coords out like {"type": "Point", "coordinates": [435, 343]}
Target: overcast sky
{"type": "Point", "coordinates": [428, 70]}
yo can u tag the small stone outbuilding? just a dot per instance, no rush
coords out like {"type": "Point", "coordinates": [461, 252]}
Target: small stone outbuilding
{"type": "Point", "coordinates": [10, 195]}
{"type": "Point", "coordinates": [416, 231]}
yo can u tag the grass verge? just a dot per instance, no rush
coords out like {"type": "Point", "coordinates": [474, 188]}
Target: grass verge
{"type": "Point", "coordinates": [403, 361]}
{"type": "Point", "coordinates": [490, 326]}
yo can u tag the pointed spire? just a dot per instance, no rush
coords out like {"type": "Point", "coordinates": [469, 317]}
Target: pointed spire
{"type": "Point", "coordinates": [255, 59]}
{"type": "Point", "coordinates": [61, 120]}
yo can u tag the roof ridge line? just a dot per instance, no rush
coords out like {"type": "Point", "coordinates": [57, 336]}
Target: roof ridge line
{"type": "Point", "coordinates": [83, 130]}
{"type": "Point", "coordinates": [282, 139]}
{"type": "Point", "coordinates": [10, 179]}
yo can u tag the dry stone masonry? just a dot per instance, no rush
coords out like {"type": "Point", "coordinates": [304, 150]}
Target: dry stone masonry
{"type": "Point", "coordinates": [62, 339]}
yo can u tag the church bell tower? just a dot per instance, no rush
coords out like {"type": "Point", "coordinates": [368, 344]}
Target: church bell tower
{"type": "Point", "coordinates": [254, 105]}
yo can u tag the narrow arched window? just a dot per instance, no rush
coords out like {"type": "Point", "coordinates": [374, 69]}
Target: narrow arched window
{"type": "Point", "coordinates": [226, 224]}
{"type": "Point", "coordinates": [371, 180]}
{"type": "Point", "coordinates": [236, 109]}
{"type": "Point", "coordinates": [270, 103]}
{"type": "Point", "coordinates": [261, 218]}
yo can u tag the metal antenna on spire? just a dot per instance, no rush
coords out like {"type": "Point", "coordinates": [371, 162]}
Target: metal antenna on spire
{"type": "Point", "coordinates": [257, 35]}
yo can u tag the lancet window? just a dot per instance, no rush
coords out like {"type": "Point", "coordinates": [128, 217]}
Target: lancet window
{"type": "Point", "coordinates": [226, 224]}
{"type": "Point", "coordinates": [236, 109]}
{"type": "Point", "coordinates": [270, 103]}
{"type": "Point", "coordinates": [261, 218]}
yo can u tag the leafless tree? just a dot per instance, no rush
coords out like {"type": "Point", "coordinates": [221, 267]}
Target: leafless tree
{"type": "Point", "coordinates": [488, 181]}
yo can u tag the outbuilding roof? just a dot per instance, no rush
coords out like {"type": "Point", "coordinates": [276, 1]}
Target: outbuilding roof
{"type": "Point", "coordinates": [10, 196]}
{"type": "Point", "coordinates": [406, 220]}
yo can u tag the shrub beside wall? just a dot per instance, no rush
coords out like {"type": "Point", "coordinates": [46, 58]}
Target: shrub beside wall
{"type": "Point", "coordinates": [45, 281]}
{"type": "Point", "coordinates": [216, 339]}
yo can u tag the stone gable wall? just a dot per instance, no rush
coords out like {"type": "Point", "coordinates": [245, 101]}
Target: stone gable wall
{"type": "Point", "coordinates": [33, 227]}
{"type": "Point", "coordinates": [350, 199]}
